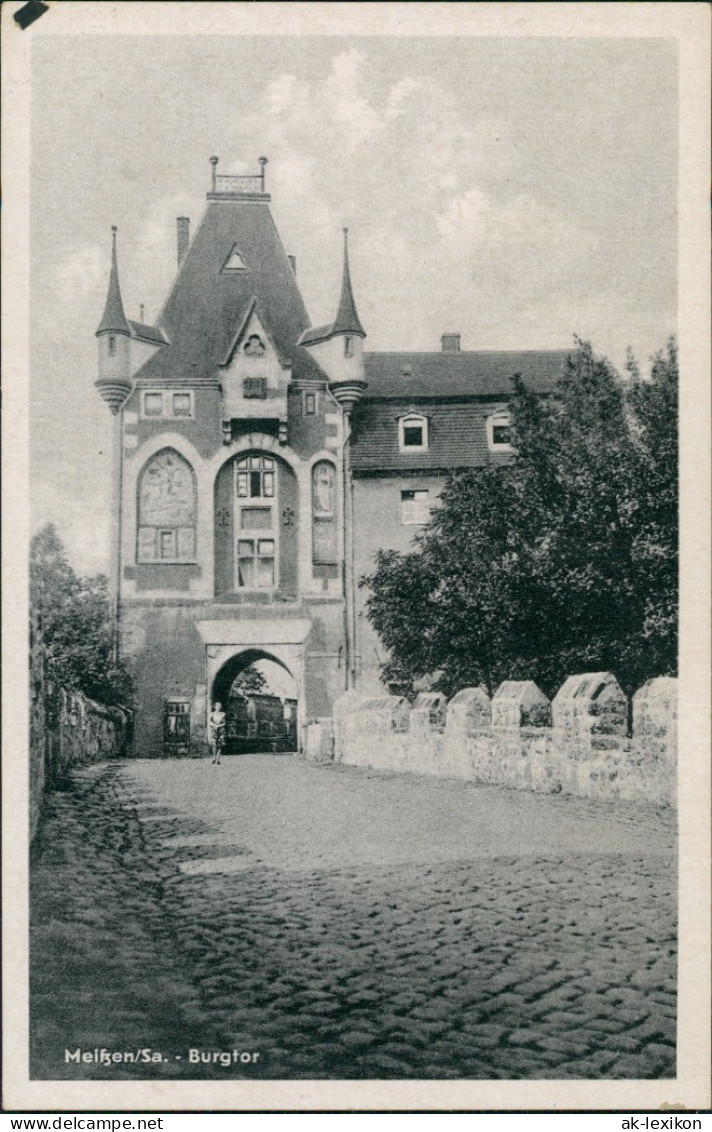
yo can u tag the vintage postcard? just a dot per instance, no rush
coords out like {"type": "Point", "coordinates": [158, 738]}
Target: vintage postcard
{"type": "Point", "coordinates": [356, 556]}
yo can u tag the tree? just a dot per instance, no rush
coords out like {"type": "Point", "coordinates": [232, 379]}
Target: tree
{"type": "Point", "coordinates": [76, 622]}
{"type": "Point", "coordinates": [249, 682]}
{"type": "Point", "coordinates": [564, 561]}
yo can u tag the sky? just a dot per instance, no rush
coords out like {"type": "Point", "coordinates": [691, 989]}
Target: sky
{"type": "Point", "coordinates": [519, 191]}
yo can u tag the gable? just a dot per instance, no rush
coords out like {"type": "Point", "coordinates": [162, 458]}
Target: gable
{"type": "Point", "coordinates": [253, 379]}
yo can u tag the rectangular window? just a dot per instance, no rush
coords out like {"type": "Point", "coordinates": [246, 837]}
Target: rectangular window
{"type": "Point", "coordinates": [413, 433]}
{"type": "Point", "coordinates": [499, 431]}
{"type": "Point", "coordinates": [182, 405]}
{"type": "Point", "coordinates": [413, 436]}
{"type": "Point", "coordinates": [112, 346]}
{"type": "Point", "coordinates": [163, 403]}
{"type": "Point", "coordinates": [246, 563]}
{"type": "Point", "coordinates": [265, 563]}
{"type": "Point", "coordinates": [348, 346]}
{"type": "Point", "coordinates": [255, 563]}
{"type": "Point", "coordinates": [310, 404]}
{"type": "Point", "coordinates": [255, 387]}
{"type": "Point", "coordinates": [415, 507]}
{"type": "Point", "coordinates": [153, 404]}
{"type": "Point", "coordinates": [255, 480]}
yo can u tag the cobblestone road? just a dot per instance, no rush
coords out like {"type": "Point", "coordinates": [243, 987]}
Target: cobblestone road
{"type": "Point", "coordinates": [348, 924]}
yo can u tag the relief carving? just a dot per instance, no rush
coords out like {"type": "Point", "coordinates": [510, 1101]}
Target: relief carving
{"type": "Point", "coordinates": [167, 496]}
{"type": "Point", "coordinates": [254, 346]}
{"type": "Point", "coordinates": [324, 489]}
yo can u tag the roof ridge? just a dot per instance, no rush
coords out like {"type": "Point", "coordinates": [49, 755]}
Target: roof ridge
{"type": "Point", "coordinates": [462, 353]}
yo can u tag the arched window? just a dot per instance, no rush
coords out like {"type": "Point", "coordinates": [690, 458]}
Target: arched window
{"type": "Point", "coordinates": [324, 514]}
{"type": "Point", "coordinates": [413, 433]}
{"type": "Point", "coordinates": [256, 522]}
{"type": "Point", "coordinates": [166, 509]}
{"type": "Point", "coordinates": [499, 432]}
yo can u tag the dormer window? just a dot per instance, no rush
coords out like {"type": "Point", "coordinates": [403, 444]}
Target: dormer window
{"type": "Point", "coordinates": [348, 346]}
{"type": "Point", "coordinates": [499, 432]}
{"type": "Point", "coordinates": [413, 433]}
{"type": "Point", "coordinates": [234, 261]}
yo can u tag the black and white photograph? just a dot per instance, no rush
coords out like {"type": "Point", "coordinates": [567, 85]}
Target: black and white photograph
{"type": "Point", "coordinates": [354, 752]}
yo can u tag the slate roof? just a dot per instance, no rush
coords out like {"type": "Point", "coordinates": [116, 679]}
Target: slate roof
{"type": "Point", "coordinates": [347, 320]}
{"type": "Point", "coordinates": [457, 437]}
{"type": "Point", "coordinates": [147, 333]}
{"type": "Point", "coordinates": [206, 305]}
{"type": "Point", "coordinates": [456, 392]}
{"type": "Point", "coordinates": [484, 373]}
{"type": "Point", "coordinates": [316, 334]}
{"type": "Point", "coordinates": [113, 318]}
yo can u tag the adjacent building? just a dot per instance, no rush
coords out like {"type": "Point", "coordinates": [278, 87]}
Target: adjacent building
{"type": "Point", "coordinates": [260, 462]}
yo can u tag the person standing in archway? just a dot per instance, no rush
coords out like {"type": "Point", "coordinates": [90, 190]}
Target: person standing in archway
{"type": "Point", "coordinates": [216, 732]}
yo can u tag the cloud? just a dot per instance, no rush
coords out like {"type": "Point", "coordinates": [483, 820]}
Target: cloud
{"type": "Point", "coordinates": [348, 147]}
{"type": "Point", "coordinates": [81, 276]}
{"type": "Point", "coordinates": [519, 238]}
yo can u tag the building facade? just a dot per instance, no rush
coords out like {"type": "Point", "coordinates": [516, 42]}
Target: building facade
{"type": "Point", "coordinates": [260, 462]}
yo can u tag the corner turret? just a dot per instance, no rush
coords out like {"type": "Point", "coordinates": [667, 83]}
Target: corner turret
{"type": "Point", "coordinates": [338, 348]}
{"type": "Point", "coordinates": [347, 320]}
{"type": "Point", "coordinates": [114, 341]}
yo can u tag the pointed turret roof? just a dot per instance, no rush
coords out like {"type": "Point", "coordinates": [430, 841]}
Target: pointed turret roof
{"type": "Point", "coordinates": [347, 320]}
{"type": "Point", "coordinates": [114, 318]}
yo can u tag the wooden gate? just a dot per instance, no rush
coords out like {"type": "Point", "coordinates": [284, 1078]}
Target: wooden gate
{"type": "Point", "coordinates": [176, 729]}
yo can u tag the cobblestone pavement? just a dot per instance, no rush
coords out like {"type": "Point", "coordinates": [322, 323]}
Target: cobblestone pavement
{"type": "Point", "coordinates": [347, 924]}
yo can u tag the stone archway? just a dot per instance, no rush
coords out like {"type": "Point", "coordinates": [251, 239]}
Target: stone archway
{"type": "Point", "coordinates": [232, 645]}
{"type": "Point", "coordinates": [260, 721]}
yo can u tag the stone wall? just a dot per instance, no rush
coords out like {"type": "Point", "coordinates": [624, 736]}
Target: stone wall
{"type": "Point", "coordinates": [578, 744]}
{"type": "Point", "coordinates": [66, 729]}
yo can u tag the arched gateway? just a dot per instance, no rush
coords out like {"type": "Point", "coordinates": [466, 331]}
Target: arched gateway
{"type": "Point", "coordinates": [231, 646]}
{"type": "Point", "coordinates": [257, 720]}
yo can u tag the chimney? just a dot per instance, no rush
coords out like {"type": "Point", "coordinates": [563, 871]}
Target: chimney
{"type": "Point", "coordinates": [183, 232]}
{"type": "Point", "coordinates": [450, 343]}
{"type": "Point", "coordinates": [293, 263]}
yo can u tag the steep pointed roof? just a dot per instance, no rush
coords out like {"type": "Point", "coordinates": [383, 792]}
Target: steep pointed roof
{"type": "Point", "coordinates": [347, 320]}
{"type": "Point", "coordinates": [209, 301]}
{"type": "Point", "coordinates": [114, 318]}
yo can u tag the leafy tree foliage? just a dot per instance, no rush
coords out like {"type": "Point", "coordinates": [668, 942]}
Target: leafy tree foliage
{"type": "Point", "coordinates": [76, 624]}
{"type": "Point", "coordinates": [565, 560]}
{"type": "Point", "coordinates": [249, 682]}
